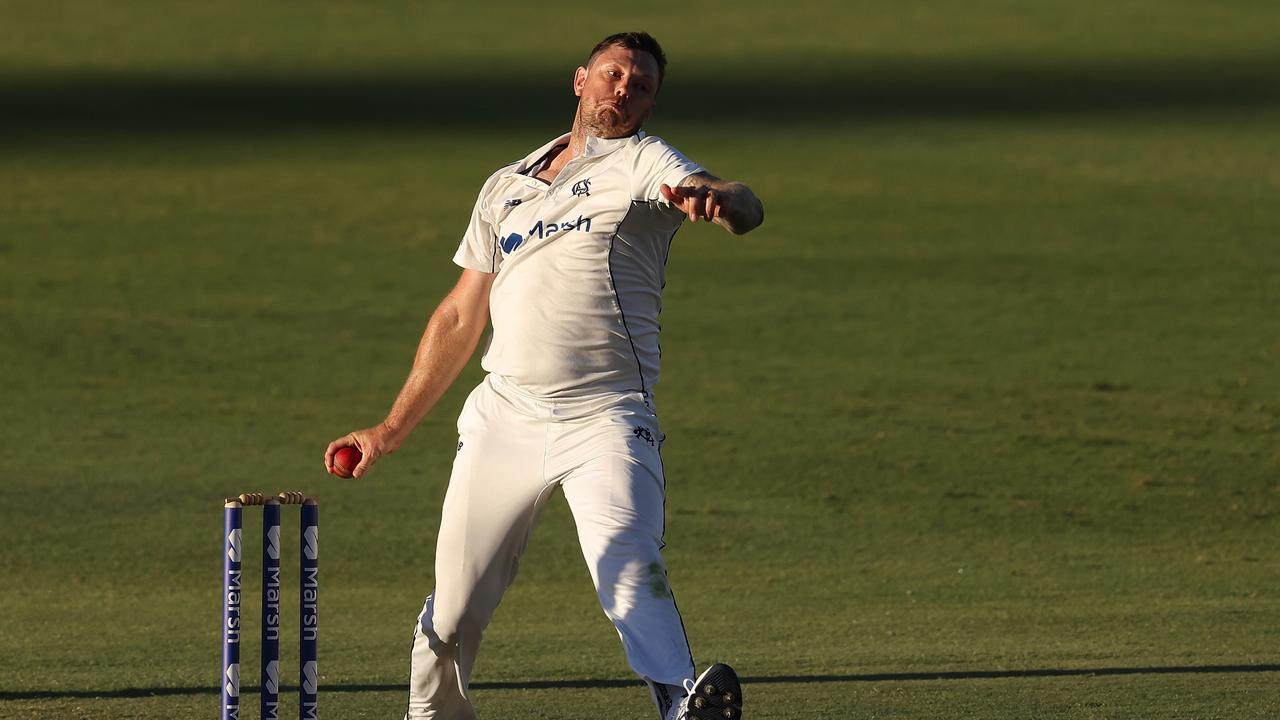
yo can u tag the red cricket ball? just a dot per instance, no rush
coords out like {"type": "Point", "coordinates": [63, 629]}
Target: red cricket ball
{"type": "Point", "coordinates": [345, 461]}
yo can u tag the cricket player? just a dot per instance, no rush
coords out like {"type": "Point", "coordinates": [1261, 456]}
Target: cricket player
{"type": "Point", "coordinates": [565, 254]}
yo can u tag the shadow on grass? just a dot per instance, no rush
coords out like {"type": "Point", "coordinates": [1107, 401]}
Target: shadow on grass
{"type": "Point", "coordinates": [760, 680]}
{"type": "Point", "coordinates": [869, 90]}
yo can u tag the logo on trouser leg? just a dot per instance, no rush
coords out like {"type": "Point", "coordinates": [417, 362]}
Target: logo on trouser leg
{"type": "Point", "coordinates": [661, 697]}
{"type": "Point", "coordinates": [644, 434]}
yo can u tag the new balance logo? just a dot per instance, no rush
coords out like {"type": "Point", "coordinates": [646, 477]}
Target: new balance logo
{"type": "Point", "coordinates": [511, 202]}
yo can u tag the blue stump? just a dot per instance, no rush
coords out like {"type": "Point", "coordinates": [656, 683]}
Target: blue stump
{"type": "Point", "coordinates": [270, 611]}
{"type": "Point", "coordinates": [232, 546]}
{"type": "Point", "coordinates": [309, 679]}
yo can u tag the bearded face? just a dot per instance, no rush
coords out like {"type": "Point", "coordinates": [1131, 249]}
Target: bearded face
{"type": "Point", "coordinates": [616, 92]}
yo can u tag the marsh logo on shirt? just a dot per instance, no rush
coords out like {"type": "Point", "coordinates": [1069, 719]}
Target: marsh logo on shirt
{"type": "Point", "coordinates": [543, 229]}
{"type": "Point", "coordinates": [511, 242]}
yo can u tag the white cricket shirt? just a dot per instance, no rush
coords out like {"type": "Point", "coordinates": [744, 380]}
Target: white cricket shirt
{"type": "Point", "coordinates": [581, 264]}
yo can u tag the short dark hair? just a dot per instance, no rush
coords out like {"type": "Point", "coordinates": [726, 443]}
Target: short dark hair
{"type": "Point", "coordinates": [634, 41]}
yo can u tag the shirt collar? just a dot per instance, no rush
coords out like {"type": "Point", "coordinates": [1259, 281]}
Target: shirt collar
{"type": "Point", "coordinates": [536, 155]}
{"type": "Point", "coordinates": [595, 147]}
{"type": "Point", "coordinates": [603, 146]}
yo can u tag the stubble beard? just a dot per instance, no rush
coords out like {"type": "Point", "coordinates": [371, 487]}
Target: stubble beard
{"type": "Point", "coordinates": [603, 121]}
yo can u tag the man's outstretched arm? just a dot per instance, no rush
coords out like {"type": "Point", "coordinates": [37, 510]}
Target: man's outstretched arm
{"type": "Point", "coordinates": [447, 343]}
{"type": "Point", "coordinates": [729, 204]}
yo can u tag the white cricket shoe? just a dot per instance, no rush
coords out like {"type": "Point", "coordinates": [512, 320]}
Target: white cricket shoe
{"type": "Point", "coordinates": [715, 695]}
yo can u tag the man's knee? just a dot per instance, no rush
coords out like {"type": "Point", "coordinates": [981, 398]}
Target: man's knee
{"type": "Point", "coordinates": [443, 626]}
{"type": "Point", "coordinates": [630, 570]}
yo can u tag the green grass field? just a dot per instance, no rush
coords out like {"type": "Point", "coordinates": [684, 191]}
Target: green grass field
{"type": "Point", "coordinates": [984, 422]}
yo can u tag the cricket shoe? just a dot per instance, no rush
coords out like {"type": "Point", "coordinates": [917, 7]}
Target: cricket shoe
{"type": "Point", "coordinates": [715, 695]}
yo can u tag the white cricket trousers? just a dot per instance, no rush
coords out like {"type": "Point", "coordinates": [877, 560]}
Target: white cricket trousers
{"type": "Point", "coordinates": [514, 450]}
